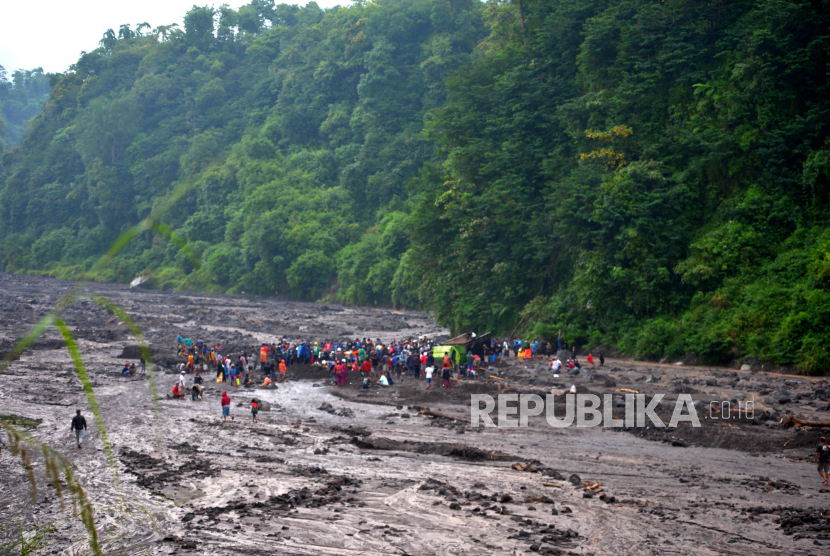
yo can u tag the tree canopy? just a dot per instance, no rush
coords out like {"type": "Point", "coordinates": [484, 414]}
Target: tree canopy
{"type": "Point", "coordinates": [21, 99]}
{"type": "Point", "coordinates": [647, 175]}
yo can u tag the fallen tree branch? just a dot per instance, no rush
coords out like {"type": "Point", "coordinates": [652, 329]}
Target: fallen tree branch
{"type": "Point", "coordinates": [436, 414]}
{"type": "Point", "coordinates": [629, 391]}
{"type": "Point", "coordinates": [551, 485]}
{"type": "Point", "coordinates": [790, 421]}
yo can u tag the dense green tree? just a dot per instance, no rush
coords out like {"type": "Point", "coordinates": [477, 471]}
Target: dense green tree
{"type": "Point", "coordinates": [644, 174]}
{"type": "Point", "coordinates": [21, 99]}
{"type": "Point", "coordinates": [653, 176]}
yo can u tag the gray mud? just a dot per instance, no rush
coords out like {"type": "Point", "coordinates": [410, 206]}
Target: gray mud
{"type": "Point", "coordinates": [349, 471]}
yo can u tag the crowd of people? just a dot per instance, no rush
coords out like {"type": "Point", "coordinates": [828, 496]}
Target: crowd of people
{"type": "Point", "coordinates": [374, 362]}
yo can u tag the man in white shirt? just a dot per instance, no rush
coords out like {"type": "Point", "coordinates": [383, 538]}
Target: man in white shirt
{"type": "Point", "coordinates": [555, 365]}
{"type": "Point", "coordinates": [428, 373]}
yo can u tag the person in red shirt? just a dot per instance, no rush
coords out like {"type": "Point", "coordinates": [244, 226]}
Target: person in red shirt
{"type": "Point", "coordinates": [226, 407]}
{"type": "Point", "coordinates": [367, 369]}
{"type": "Point", "coordinates": [591, 360]}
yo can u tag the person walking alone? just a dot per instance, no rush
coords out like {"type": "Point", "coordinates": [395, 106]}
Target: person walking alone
{"type": "Point", "coordinates": [822, 458]}
{"type": "Point", "coordinates": [79, 426]}
{"type": "Point", "coordinates": [226, 407]}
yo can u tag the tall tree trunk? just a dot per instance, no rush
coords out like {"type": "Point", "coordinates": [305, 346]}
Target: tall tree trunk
{"type": "Point", "coordinates": [522, 20]}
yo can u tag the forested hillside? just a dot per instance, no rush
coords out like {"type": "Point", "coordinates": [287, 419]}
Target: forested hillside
{"type": "Point", "coordinates": [21, 98]}
{"type": "Point", "coordinates": [293, 131]}
{"type": "Point", "coordinates": [651, 175]}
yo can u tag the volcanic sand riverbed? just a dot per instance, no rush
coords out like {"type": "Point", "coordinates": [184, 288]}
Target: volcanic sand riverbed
{"type": "Point", "coordinates": [347, 471]}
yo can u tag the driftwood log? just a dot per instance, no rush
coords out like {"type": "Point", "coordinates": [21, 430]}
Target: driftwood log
{"type": "Point", "coordinates": [436, 414]}
{"type": "Point", "coordinates": [791, 421]}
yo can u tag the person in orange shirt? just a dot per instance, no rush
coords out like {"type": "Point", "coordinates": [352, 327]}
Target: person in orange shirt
{"type": "Point", "coordinates": [282, 371]}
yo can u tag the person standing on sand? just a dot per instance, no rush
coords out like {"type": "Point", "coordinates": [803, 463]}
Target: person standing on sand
{"type": "Point", "coordinates": [79, 426]}
{"type": "Point", "coordinates": [254, 410]}
{"type": "Point", "coordinates": [591, 360]}
{"type": "Point", "coordinates": [345, 372]}
{"type": "Point", "coordinates": [822, 458]}
{"type": "Point", "coordinates": [226, 407]}
{"type": "Point", "coordinates": [428, 374]}
{"type": "Point", "coordinates": [446, 372]}
{"type": "Point", "coordinates": [398, 366]}
{"type": "Point", "coordinates": [283, 369]}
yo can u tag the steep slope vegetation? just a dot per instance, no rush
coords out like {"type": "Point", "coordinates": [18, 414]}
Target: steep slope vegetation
{"type": "Point", "coordinates": [292, 130]}
{"type": "Point", "coordinates": [649, 175]}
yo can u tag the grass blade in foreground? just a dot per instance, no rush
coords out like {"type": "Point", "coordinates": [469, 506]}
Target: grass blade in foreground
{"type": "Point", "coordinates": [118, 311]}
{"type": "Point", "coordinates": [72, 346]}
{"type": "Point", "coordinates": [55, 461]}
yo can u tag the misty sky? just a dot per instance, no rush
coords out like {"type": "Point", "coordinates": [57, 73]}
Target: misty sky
{"type": "Point", "coordinates": [52, 33]}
